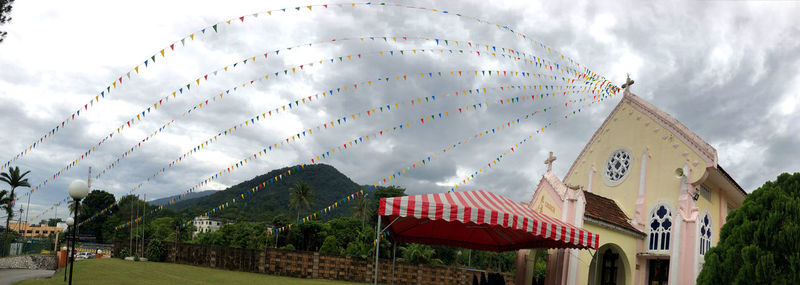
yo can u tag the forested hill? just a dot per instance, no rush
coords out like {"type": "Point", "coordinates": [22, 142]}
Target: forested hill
{"type": "Point", "coordinates": [188, 196]}
{"type": "Point", "coordinates": [327, 184]}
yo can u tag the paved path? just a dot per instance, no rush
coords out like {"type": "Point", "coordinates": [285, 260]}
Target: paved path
{"type": "Point", "coordinates": [9, 276]}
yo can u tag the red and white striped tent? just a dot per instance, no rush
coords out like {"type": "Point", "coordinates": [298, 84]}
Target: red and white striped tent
{"type": "Point", "coordinates": [478, 220]}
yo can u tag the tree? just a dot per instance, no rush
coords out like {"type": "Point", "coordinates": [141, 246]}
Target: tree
{"type": "Point", "coordinates": [13, 178]}
{"type": "Point", "coordinates": [383, 192]}
{"type": "Point", "coordinates": [361, 209]}
{"type": "Point", "coordinates": [419, 254]}
{"type": "Point", "coordinates": [330, 246]}
{"type": "Point", "coordinates": [277, 222]}
{"type": "Point", "coordinates": [5, 11]}
{"type": "Point", "coordinates": [96, 201]}
{"type": "Point", "coordinates": [5, 202]}
{"type": "Point", "coordinates": [760, 241]}
{"type": "Point", "coordinates": [301, 197]}
{"type": "Point", "coordinates": [155, 251]}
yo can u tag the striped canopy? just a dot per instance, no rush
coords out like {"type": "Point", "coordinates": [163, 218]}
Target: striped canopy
{"type": "Point", "coordinates": [477, 220]}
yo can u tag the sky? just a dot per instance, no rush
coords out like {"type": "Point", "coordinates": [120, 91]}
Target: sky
{"type": "Point", "coordinates": [726, 69]}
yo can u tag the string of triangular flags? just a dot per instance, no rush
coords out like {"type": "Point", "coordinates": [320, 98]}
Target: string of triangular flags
{"type": "Point", "coordinates": [141, 116]}
{"type": "Point", "coordinates": [263, 185]}
{"type": "Point", "coordinates": [419, 163]}
{"type": "Point", "coordinates": [380, 133]}
{"type": "Point", "coordinates": [235, 166]}
{"type": "Point", "coordinates": [216, 26]}
{"type": "Point", "coordinates": [383, 181]}
{"type": "Point", "coordinates": [469, 178]}
{"type": "Point", "coordinates": [398, 78]}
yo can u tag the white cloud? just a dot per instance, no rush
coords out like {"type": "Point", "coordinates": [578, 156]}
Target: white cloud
{"type": "Point", "coordinates": [717, 66]}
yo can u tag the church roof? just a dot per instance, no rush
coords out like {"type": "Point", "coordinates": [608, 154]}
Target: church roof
{"type": "Point", "coordinates": [606, 210]}
{"type": "Point", "coordinates": [676, 126]}
{"type": "Point", "coordinates": [705, 150]}
{"type": "Point", "coordinates": [557, 184]}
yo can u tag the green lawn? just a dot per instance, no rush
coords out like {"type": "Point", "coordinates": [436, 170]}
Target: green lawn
{"type": "Point", "coordinates": [117, 271]}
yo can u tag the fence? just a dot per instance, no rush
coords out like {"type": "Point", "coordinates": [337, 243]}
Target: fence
{"type": "Point", "coordinates": [312, 265]}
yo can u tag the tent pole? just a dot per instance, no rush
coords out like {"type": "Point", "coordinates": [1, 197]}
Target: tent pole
{"type": "Point", "coordinates": [594, 272]}
{"type": "Point", "coordinates": [377, 247]}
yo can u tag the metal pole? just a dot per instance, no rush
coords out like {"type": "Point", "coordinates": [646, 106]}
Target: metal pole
{"type": "Point", "coordinates": [130, 229]}
{"type": "Point", "coordinates": [136, 237]}
{"type": "Point", "coordinates": [144, 220]}
{"type": "Point", "coordinates": [377, 247]}
{"type": "Point", "coordinates": [74, 239]}
{"type": "Point", "coordinates": [66, 239]}
{"type": "Point", "coordinates": [29, 207]}
{"type": "Point", "coordinates": [19, 225]}
{"type": "Point", "coordinates": [594, 272]}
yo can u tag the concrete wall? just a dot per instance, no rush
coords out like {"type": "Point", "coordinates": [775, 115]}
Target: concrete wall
{"type": "Point", "coordinates": [29, 262]}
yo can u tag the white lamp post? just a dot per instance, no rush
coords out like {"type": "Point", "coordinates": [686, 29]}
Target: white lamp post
{"type": "Point", "coordinates": [70, 222]}
{"type": "Point", "coordinates": [77, 190]}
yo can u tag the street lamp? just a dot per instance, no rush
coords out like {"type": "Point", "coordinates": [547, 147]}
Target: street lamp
{"type": "Point", "coordinates": [70, 222]}
{"type": "Point", "coordinates": [77, 190]}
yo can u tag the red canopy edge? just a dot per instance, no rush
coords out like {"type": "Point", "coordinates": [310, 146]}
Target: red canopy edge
{"type": "Point", "coordinates": [478, 220]}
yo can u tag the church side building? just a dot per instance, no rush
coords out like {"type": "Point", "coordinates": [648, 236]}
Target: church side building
{"type": "Point", "coordinates": [654, 192]}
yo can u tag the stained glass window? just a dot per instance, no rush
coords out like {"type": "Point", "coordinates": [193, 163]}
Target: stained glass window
{"type": "Point", "coordinates": [659, 228]}
{"type": "Point", "coordinates": [617, 166]}
{"type": "Point", "coordinates": [705, 234]}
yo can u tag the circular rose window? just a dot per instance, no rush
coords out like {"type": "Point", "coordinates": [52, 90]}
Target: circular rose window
{"type": "Point", "coordinates": [617, 166]}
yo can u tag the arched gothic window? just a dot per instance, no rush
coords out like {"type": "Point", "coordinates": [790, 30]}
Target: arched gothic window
{"type": "Point", "coordinates": [705, 234]}
{"type": "Point", "coordinates": [659, 228]}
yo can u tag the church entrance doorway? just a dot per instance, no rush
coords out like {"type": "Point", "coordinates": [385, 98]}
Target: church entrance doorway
{"type": "Point", "coordinates": [609, 266]}
{"type": "Point", "coordinates": [608, 271]}
{"type": "Point", "coordinates": [658, 271]}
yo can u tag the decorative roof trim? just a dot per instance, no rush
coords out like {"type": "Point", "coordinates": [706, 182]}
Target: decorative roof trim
{"type": "Point", "coordinates": [614, 227]}
{"type": "Point", "coordinates": [665, 120]}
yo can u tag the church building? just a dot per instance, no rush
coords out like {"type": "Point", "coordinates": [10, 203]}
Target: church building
{"type": "Point", "coordinates": [652, 190]}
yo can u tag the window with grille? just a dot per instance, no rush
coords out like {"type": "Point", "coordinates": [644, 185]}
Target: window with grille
{"type": "Point", "coordinates": [705, 234]}
{"type": "Point", "coordinates": [659, 228]}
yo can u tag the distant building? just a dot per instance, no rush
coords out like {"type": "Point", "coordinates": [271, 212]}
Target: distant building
{"type": "Point", "coordinates": [206, 224]}
{"type": "Point", "coordinates": [27, 230]}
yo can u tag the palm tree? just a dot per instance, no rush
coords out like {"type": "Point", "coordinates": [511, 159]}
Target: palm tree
{"type": "Point", "coordinates": [419, 254]}
{"type": "Point", "coordinates": [72, 208]}
{"type": "Point", "coordinates": [13, 179]}
{"type": "Point", "coordinates": [301, 197]}
{"type": "Point", "coordinates": [361, 209]}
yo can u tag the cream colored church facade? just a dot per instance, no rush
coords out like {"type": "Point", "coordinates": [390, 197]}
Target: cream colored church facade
{"type": "Point", "coordinates": [652, 189]}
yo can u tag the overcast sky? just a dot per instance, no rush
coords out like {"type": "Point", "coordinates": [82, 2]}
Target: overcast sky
{"type": "Point", "coordinates": [726, 69]}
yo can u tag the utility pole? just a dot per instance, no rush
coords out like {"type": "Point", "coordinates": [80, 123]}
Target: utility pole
{"type": "Point", "coordinates": [144, 219]}
{"type": "Point", "coordinates": [28, 207]}
{"type": "Point", "coordinates": [19, 223]}
{"type": "Point", "coordinates": [130, 228]}
{"type": "Point", "coordinates": [136, 238]}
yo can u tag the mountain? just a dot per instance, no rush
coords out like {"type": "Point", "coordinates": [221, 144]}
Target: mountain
{"type": "Point", "coordinates": [327, 184]}
{"type": "Point", "coordinates": [192, 195]}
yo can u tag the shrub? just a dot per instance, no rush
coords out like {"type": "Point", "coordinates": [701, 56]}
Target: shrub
{"type": "Point", "coordinates": [125, 252]}
{"type": "Point", "coordinates": [760, 242]}
{"type": "Point", "coordinates": [288, 247]}
{"type": "Point", "coordinates": [155, 251]}
{"type": "Point", "coordinates": [330, 246]}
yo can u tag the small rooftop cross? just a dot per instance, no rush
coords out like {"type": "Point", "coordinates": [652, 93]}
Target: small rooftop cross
{"type": "Point", "coordinates": [549, 161]}
{"type": "Point", "coordinates": [628, 82]}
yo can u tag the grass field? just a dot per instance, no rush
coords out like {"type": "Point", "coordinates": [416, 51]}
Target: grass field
{"type": "Point", "coordinates": [117, 271]}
